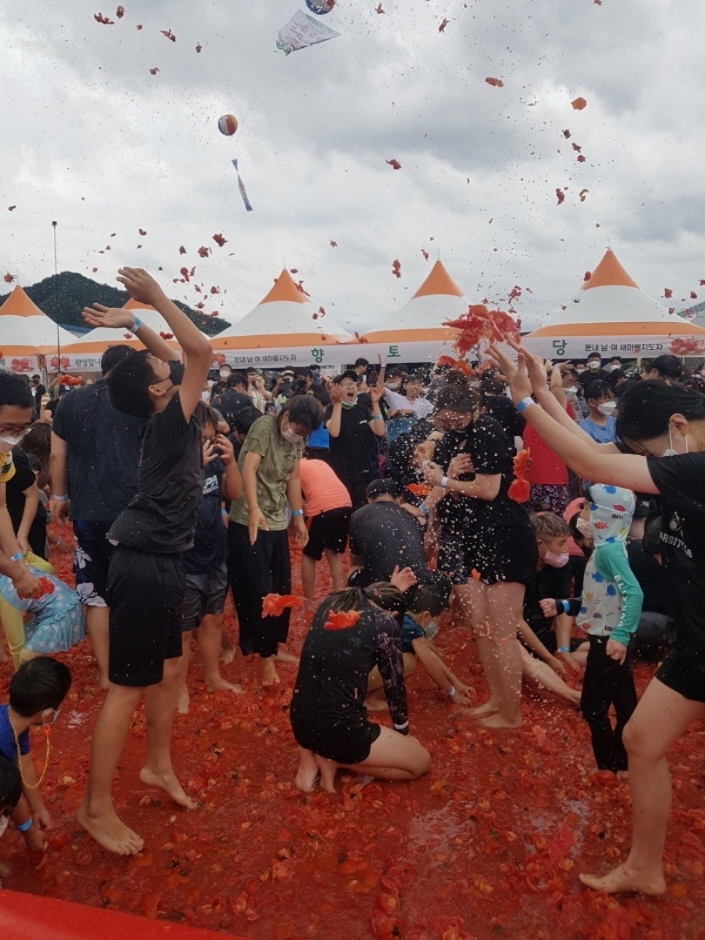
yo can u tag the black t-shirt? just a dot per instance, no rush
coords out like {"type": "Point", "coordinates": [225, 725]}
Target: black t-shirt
{"type": "Point", "coordinates": [210, 538]}
{"type": "Point", "coordinates": [385, 535]}
{"type": "Point", "coordinates": [681, 482]}
{"type": "Point", "coordinates": [162, 516]}
{"type": "Point", "coordinates": [350, 451]}
{"type": "Point", "coordinates": [492, 453]}
{"type": "Point", "coordinates": [52, 405]}
{"type": "Point", "coordinates": [551, 583]}
{"type": "Point", "coordinates": [653, 579]}
{"type": "Point", "coordinates": [229, 402]}
{"type": "Point", "coordinates": [103, 452]}
{"type": "Point", "coordinates": [14, 488]}
{"type": "Point", "coordinates": [502, 410]}
{"type": "Point", "coordinates": [589, 376]}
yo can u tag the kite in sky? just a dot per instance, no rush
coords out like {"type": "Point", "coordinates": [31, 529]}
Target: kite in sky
{"type": "Point", "coordinates": [302, 31]}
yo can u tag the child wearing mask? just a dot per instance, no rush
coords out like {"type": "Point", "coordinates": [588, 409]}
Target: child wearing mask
{"type": "Point", "coordinates": [609, 611]}
{"type": "Point", "coordinates": [601, 423]}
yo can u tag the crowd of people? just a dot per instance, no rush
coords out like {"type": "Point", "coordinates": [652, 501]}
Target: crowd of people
{"type": "Point", "coordinates": [183, 485]}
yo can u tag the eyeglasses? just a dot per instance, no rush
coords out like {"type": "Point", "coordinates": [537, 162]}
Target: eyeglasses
{"type": "Point", "coordinates": [18, 432]}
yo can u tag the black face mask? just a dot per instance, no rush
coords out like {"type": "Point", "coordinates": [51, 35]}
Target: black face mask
{"type": "Point", "coordinates": [176, 371]}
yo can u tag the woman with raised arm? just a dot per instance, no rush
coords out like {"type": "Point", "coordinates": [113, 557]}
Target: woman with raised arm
{"type": "Point", "coordinates": [664, 428]}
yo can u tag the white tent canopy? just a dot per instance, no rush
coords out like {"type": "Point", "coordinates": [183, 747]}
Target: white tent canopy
{"type": "Point", "coordinates": [26, 333]}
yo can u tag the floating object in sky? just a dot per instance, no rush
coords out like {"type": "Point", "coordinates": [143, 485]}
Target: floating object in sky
{"type": "Point", "coordinates": [243, 191]}
{"type": "Point", "coordinates": [302, 31]}
{"type": "Point", "coordinates": [320, 6]}
{"type": "Point", "coordinates": [578, 104]}
{"type": "Point", "coordinates": [227, 124]}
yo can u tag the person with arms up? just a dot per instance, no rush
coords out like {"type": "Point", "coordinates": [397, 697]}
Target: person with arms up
{"type": "Point", "coordinates": [95, 451]}
{"type": "Point", "coordinates": [146, 578]}
{"type": "Point", "coordinates": [664, 428]}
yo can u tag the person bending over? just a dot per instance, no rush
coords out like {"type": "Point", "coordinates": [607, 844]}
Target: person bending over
{"type": "Point", "coordinates": [146, 579]}
{"type": "Point", "coordinates": [328, 508]}
{"type": "Point", "coordinates": [328, 714]}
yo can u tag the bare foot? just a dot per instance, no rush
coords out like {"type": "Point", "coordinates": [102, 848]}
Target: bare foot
{"type": "Point", "coordinates": [499, 721]}
{"type": "Point", "coordinates": [222, 685]}
{"type": "Point", "coordinates": [487, 708]}
{"type": "Point", "coordinates": [327, 769]}
{"type": "Point", "coordinates": [623, 878]}
{"type": "Point", "coordinates": [109, 831]}
{"type": "Point", "coordinates": [269, 672]}
{"type": "Point", "coordinates": [282, 656]}
{"type": "Point", "coordinates": [182, 700]}
{"type": "Point", "coordinates": [305, 779]}
{"type": "Point", "coordinates": [166, 780]}
{"type": "Point", "coordinates": [227, 654]}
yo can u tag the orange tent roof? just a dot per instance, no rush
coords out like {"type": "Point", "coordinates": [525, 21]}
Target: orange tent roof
{"type": "Point", "coordinates": [609, 273]}
{"type": "Point", "coordinates": [285, 289]}
{"type": "Point", "coordinates": [136, 305]}
{"type": "Point", "coordinates": [439, 282]}
{"type": "Point", "coordinates": [18, 304]}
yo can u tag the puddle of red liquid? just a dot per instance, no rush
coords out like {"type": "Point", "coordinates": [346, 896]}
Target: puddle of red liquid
{"type": "Point", "coordinates": [488, 845]}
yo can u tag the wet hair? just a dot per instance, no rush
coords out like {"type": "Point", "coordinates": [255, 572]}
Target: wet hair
{"type": "Point", "coordinates": [615, 376]}
{"type": "Point", "coordinates": [113, 355]}
{"type": "Point", "coordinates": [244, 418]}
{"type": "Point", "coordinates": [41, 683]}
{"type": "Point", "coordinates": [237, 378]}
{"type": "Point", "coordinates": [361, 362]}
{"type": "Point", "coordinates": [432, 596]}
{"type": "Point", "coordinates": [384, 487]}
{"type": "Point", "coordinates": [456, 395]}
{"type": "Point", "coordinates": [128, 385]}
{"type": "Point", "coordinates": [14, 390]}
{"type": "Point", "coordinates": [348, 374]}
{"type": "Point", "coordinates": [10, 784]}
{"type": "Point", "coordinates": [549, 525]}
{"type": "Point", "coordinates": [491, 386]}
{"type": "Point", "coordinates": [598, 389]}
{"type": "Point", "coordinates": [38, 442]}
{"type": "Point", "coordinates": [382, 593]}
{"type": "Point", "coordinates": [594, 355]}
{"type": "Point", "coordinates": [305, 410]}
{"type": "Point", "coordinates": [668, 367]}
{"type": "Point", "coordinates": [206, 415]}
{"type": "Point", "coordinates": [651, 540]}
{"type": "Point", "coordinates": [646, 406]}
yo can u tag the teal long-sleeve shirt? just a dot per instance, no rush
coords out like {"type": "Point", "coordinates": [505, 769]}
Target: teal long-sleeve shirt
{"type": "Point", "coordinates": [612, 599]}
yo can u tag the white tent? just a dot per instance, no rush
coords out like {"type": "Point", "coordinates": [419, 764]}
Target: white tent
{"type": "Point", "coordinates": [285, 328]}
{"type": "Point", "coordinates": [611, 315]}
{"type": "Point", "coordinates": [416, 332]}
{"type": "Point", "coordinates": [26, 333]}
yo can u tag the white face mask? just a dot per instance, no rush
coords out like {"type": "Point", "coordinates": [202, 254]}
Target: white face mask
{"type": "Point", "coordinates": [205, 396]}
{"type": "Point", "coordinates": [393, 386]}
{"type": "Point", "coordinates": [593, 364]}
{"type": "Point", "coordinates": [607, 408]}
{"type": "Point", "coordinates": [7, 441]}
{"type": "Point", "coordinates": [291, 437]}
{"type": "Point", "coordinates": [570, 392]}
{"type": "Point", "coordinates": [583, 527]}
{"type": "Point", "coordinates": [224, 374]}
{"type": "Point", "coordinates": [667, 453]}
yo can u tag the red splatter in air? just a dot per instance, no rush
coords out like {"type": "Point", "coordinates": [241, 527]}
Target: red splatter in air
{"type": "Point", "coordinates": [520, 489]}
{"type": "Point", "coordinates": [566, 133]}
{"type": "Point", "coordinates": [219, 240]}
{"type": "Point", "coordinates": [321, 311]}
{"type": "Point", "coordinates": [578, 104]}
{"type": "Point", "coordinates": [379, 9]}
{"type": "Point", "coordinates": [11, 208]}
{"type": "Point", "coordinates": [120, 12]}
{"type": "Point", "coordinates": [342, 620]}
{"type": "Point", "coordinates": [168, 33]}
{"type": "Point", "coordinates": [8, 278]}
{"type": "Point", "coordinates": [597, 3]}
{"type": "Point", "coordinates": [166, 335]}
{"type": "Point", "coordinates": [667, 292]}
{"type": "Point", "coordinates": [94, 270]}
{"type": "Point", "coordinates": [185, 274]}
{"type": "Point", "coordinates": [203, 251]}
{"type": "Point", "coordinates": [582, 194]}
{"type": "Point", "coordinates": [587, 275]}
{"type": "Point", "coordinates": [424, 253]}
{"type": "Point", "coordinates": [139, 26]}
{"type": "Point", "coordinates": [300, 286]}
{"type": "Point", "coordinates": [395, 164]}
{"type": "Point", "coordinates": [581, 158]}
{"type": "Point", "coordinates": [182, 250]}
{"type": "Point", "coordinates": [478, 324]}
{"type": "Point", "coordinates": [153, 71]}
{"type": "Point", "coordinates": [576, 147]}
{"type": "Point", "coordinates": [396, 268]}
{"type": "Point", "coordinates": [442, 27]}
{"type": "Point", "coordinates": [418, 489]}
{"type": "Point", "coordinates": [99, 18]}
{"type": "Point", "coordinates": [293, 270]}
{"type": "Point", "coordinates": [215, 290]}
{"type": "Point", "coordinates": [198, 47]}
{"type": "Point", "coordinates": [274, 605]}
{"type": "Point", "coordinates": [495, 82]}
{"type": "Point", "coordinates": [560, 196]}
{"type": "Point", "coordinates": [333, 244]}
{"type": "Point", "coordinates": [693, 295]}
{"type": "Point", "coordinates": [475, 574]}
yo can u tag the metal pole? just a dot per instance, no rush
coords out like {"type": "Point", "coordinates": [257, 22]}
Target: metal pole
{"type": "Point", "coordinates": [56, 303]}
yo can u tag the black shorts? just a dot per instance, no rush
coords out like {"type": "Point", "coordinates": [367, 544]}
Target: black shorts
{"type": "Point", "coordinates": [91, 561]}
{"type": "Point", "coordinates": [145, 594]}
{"type": "Point", "coordinates": [342, 741]}
{"type": "Point", "coordinates": [498, 554]}
{"type": "Point", "coordinates": [684, 673]}
{"type": "Point", "coordinates": [204, 595]}
{"type": "Point", "coordinates": [328, 530]}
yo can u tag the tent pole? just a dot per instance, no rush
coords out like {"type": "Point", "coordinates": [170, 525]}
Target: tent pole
{"type": "Point", "coordinates": [56, 304]}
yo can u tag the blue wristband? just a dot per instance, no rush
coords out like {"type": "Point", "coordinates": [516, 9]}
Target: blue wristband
{"type": "Point", "coordinates": [297, 512]}
{"type": "Point", "coordinates": [424, 509]}
{"type": "Point", "coordinates": [524, 404]}
{"type": "Point", "coordinates": [23, 827]}
{"type": "Point", "coordinates": [566, 606]}
{"type": "Point", "coordinates": [17, 557]}
{"type": "Point", "coordinates": [563, 649]}
{"type": "Point", "coordinates": [60, 499]}
{"type": "Point", "coordinates": [376, 418]}
{"type": "Point", "coordinates": [136, 325]}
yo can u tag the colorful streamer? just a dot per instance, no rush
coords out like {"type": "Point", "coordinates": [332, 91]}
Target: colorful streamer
{"type": "Point", "coordinates": [243, 191]}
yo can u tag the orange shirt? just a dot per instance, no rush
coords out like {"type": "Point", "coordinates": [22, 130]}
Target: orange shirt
{"type": "Point", "coordinates": [321, 488]}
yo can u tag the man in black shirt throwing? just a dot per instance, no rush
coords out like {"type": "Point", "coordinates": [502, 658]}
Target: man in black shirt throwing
{"type": "Point", "coordinates": [146, 577]}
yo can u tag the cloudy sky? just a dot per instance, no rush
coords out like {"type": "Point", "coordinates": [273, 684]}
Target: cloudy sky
{"type": "Point", "coordinates": [94, 141]}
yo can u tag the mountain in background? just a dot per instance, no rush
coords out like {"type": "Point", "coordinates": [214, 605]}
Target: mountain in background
{"type": "Point", "coordinates": [62, 297]}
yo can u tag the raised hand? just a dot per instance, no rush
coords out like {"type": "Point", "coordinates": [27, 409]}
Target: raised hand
{"type": "Point", "coordinates": [116, 318]}
{"type": "Point", "coordinates": [402, 580]}
{"type": "Point", "coordinates": [141, 286]}
{"type": "Point", "coordinates": [336, 393]}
